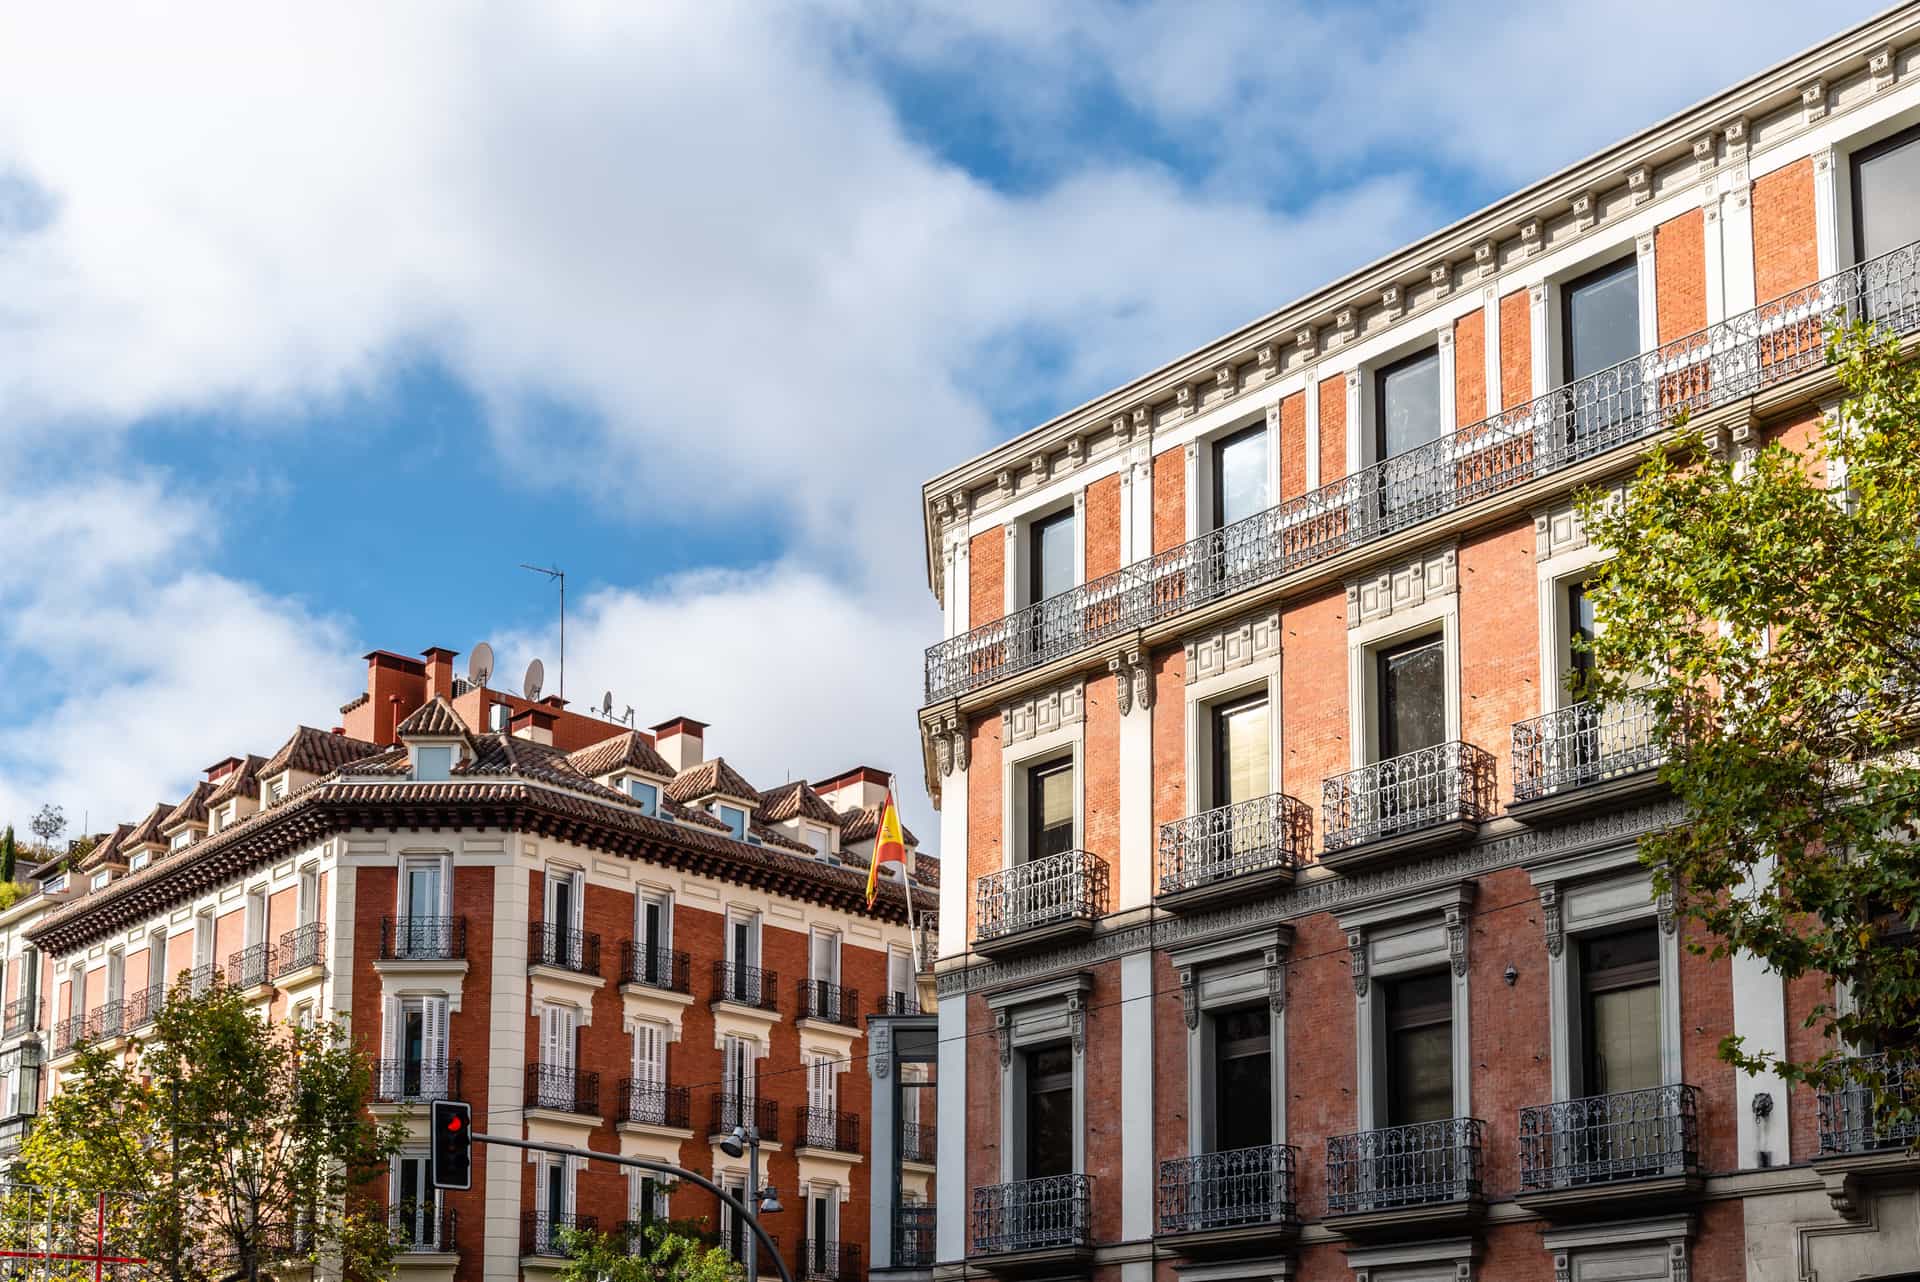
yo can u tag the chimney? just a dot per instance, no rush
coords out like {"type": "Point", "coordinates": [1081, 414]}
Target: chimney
{"type": "Point", "coordinates": [854, 789]}
{"type": "Point", "coordinates": [682, 741]}
{"type": "Point", "coordinates": [534, 724]}
{"type": "Point", "coordinates": [396, 685]}
{"type": "Point", "coordinates": [439, 672]}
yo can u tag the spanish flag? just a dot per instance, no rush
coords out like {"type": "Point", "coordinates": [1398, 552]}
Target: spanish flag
{"type": "Point", "coordinates": [888, 844]}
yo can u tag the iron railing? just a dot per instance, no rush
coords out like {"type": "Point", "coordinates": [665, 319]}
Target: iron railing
{"type": "Point", "coordinates": [423, 938]}
{"type": "Point", "coordinates": [746, 985]}
{"type": "Point", "coordinates": [201, 979]}
{"type": "Point", "coordinates": [1625, 1135]}
{"type": "Point", "coordinates": [251, 966]}
{"type": "Point", "coordinates": [826, 1261]}
{"type": "Point", "coordinates": [1580, 745]}
{"type": "Point", "coordinates": [415, 1081]}
{"type": "Point", "coordinates": [1426, 788]}
{"type": "Point", "coordinates": [660, 968]}
{"type": "Point", "coordinates": [544, 1234]}
{"type": "Point", "coordinates": [421, 1228]}
{"type": "Point", "coordinates": [1420, 1164]}
{"type": "Point", "coordinates": [826, 1128]}
{"type": "Point", "coordinates": [1857, 1118]}
{"type": "Point", "coordinates": [829, 1002]}
{"type": "Point", "coordinates": [564, 1089]}
{"type": "Point", "coordinates": [1229, 1190]}
{"type": "Point", "coordinates": [1590, 416]}
{"type": "Point", "coordinates": [300, 948]}
{"type": "Point", "coordinates": [728, 1109]}
{"type": "Point", "coordinates": [1033, 1215]}
{"type": "Point", "coordinates": [22, 1016]}
{"type": "Point", "coordinates": [109, 1020]}
{"type": "Point", "coordinates": [919, 1141]}
{"type": "Point", "coordinates": [651, 1104]}
{"type": "Point", "coordinates": [1058, 888]}
{"type": "Point", "coordinates": [898, 1004]}
{"type": "Point", "coordinates": [143, 1007]}
{"type": "Point", "coordinates": [736, 1242]}
{"type": "Point", "coordinates": [563, 947]}
{"type": "Point", "coordinates": [69, 1033]}
{"type": "Point", "coordinates": [1258, 835]}
{"type": "Point", "coordinates": [914, 1226]}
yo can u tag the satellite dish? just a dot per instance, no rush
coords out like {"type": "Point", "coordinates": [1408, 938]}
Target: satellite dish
{"type": "Point", "coordinates": [480, 665]}
{"type": "Point", "coordinates": [606, 704]}
{"type": "Point", "coordinates": [536, 673]}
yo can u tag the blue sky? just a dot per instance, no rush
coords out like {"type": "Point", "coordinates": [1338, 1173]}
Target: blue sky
{"type": "Point", "coordinates": [314, 324]}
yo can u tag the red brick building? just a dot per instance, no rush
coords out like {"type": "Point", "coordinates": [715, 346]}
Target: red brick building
{"type": "Point", "coordinates": [599, 936]}
{"type": "Point", "coordinates": [1295, 926]}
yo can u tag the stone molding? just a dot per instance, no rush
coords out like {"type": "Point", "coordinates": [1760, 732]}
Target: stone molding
{"type": "Point", "coordinates": [1232, 646]}
{"type": "Point", "coordinates": [1043, 713]}
{"type": "Point", "coordinates": [1410, 583]}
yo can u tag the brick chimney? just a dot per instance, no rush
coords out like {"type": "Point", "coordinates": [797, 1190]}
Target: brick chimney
{"type": "Point", "coordinates": [396, 685]}
{"type": "Point", "coordinates": [854, 789]}
{"type": "Point", "coordinates": [682, 741]}
{"type": "Point", "coordinates": [534, 724]}
{"type": "Point", "coordinates": [439, 672]}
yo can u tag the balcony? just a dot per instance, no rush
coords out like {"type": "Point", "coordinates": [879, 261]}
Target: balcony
{"type": "Point", "coordinates": [1431, 798]}
{"type": "Point", "coordinates": [407, 939]}
{"type": "Point", "coordinates": [825, 1261]}
{"type": "Point", "coordinates": [1241, 849]}
{"type": "Point", "coordinates": [829, 1003]}
{"type": "Point", "coordinates": [661, 969]}
{"type": "Point", "coordinates": [899, 1004]}
{"type": "Point", "coordinates": [1230, 1200]}
{"type": "Point", "coordinates": [1582, 759]}
{"type": "Point", "coordinates": [144, 1006]}
{"type": "Point", "coordinates": [1043, 1225]}
{"type": "Point", "coordinates": [421, 1229]}
{"type": "Point", "coordinates": [563, 948]}
{"type": "Point", "coordinates": [914, 1227]}
{"type": "Point", "coordinates": [107, 1022]}
{"type": "Point", "coordinates": [416, 1081]}
{"type": "Point", "coordinates": [747, 986]}
{"type": "Point", "coordinates": [728, 1109]}
{"type": "Point", "coordinates": [1604, 1153]}
{"type": "Point", "coordinates": [1420, 1177]}
{"type": "Point", "coordinates": [201, 979]}
{"type": "Point", "coordinates": [251, 967]}
{"type": "Point", "coordinates": [1564, 429]}
{"type": "Point", "coordinates": [1042, 902]}
{"type": "Point", "coordinates": [22, 1016]}
{"type": "Point", "coordinates": [560, 1089]}
{"type": "Point", "coordinates": [301, 949]}
{"type": "Point", "coordinates": [544, 1234]}
{"type": "Point", "coordinates": [827, 1130]}
{"type": "Point", "coordinates": [1868, 1129]}
{"type": "Point", "coordinates": [919, 1142]}
{"type": "Point", "coordinates": [644, 1103]}
{"type": "Point", "coordinates": [69, 1033]}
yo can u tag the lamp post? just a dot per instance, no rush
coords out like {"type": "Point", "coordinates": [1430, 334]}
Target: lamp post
{"type": "Point", "coordinates": [745, 1138]}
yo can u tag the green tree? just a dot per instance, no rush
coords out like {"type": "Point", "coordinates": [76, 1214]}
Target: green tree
{"type": "Point", "coordinates": [662, 1253]}
{"type": "Point", "coordinates": [1767, 612]}
{"type": "Point", "coordinates": [251, 1142]}
{"type": "Point", "coordinates": [9, 855]}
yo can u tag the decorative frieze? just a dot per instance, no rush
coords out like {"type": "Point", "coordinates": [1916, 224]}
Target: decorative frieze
{"type": "Point", "coordinates": [1640, 184]}
{"type": "Point", "coordinates": [1486, 257]}
{"type": "Point", "coordinates": [1428, 576]}
{"type": "Point", "coordinates": [1233, 646]}
{"type": "Point", "coordinates": [1043, 713]}
{"type": "Point", "coordinates": [1883, 68]}
{"type": "Point", "coordinates": [1813, 101]}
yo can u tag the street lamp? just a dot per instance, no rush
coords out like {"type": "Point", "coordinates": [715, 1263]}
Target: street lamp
{"type": "Point", "coordinates": [746, 1139]}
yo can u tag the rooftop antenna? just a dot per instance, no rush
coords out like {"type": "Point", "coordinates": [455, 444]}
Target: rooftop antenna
{"type": "Point", "coordinates": [480, 665]}
{"type": "Point", "coordinates": [536, 675]}
{"type": "Point", "coordinates": [561, 575]}
{"type": "Point", "coordinates": [606, 705]}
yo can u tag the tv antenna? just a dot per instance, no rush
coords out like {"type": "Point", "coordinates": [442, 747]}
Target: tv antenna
{"type": "Point", "coordinates": [480, 665]}
{"type": "Point", "coordinates": [606, 705]}
{"type": "Point", "coordinates": [536, 674]}
{"type": "Point", "coordinates": [560, 575]}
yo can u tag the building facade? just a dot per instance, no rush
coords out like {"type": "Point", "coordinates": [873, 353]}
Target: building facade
{"type": "Point", "coordinates": [1294, 925]}
{"type": "Point", "coordinates": [598, 936]}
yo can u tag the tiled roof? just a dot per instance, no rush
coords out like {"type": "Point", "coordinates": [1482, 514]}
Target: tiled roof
{"type": "Point", "coordinates": [147, 831]}
{"type": "Point", "coordinates": [354, 702]}
{"type": "Point", "coordinates": [796, 800]}
{"type": "Point", "coordinates": [689, 815]}
{"type": "Point", "coordinates": [434, 719]}
{"type": "Point", "coordinates": [106, 850]}
{"type": "Point", "coordinates": [244, 777]}
{"type": "Point", "coordinates": [767, 834]}
{"type": "Point", "coordinates": [710, 778]}
{"type": "Point", "coordinates": [629, 751]}
{"type": "Point", "coordinates": [316, 752]}
{"type": "Point", "coordinates": [193, 809]}
{"type": "Point", "coordinates": [382, 761]}
{"type": "Point", "coordinates": [862, 824]}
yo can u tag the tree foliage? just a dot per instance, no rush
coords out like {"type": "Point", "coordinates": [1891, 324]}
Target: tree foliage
{"type": "Point", "coordinates": [47, 824]}
{"type": "Point", "coordinates": [662, 1253]}
{"type": "Point", "coordinates": [1768, 613]}
{"type": "Point", "coordinates": [9, 855]}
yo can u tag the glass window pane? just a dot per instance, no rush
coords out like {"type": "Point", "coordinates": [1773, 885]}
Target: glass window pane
{"type": "Point", "coordinates": [1049, 1112]}
{"type": "Point", "coordinates": [1052, 566]}
{"type": "Point", "coordinates": [1241, 764]}
{"type": "Point", "coordinates": [1240, 476]}
{"type": "Point", "coordinates": [1413, 698]}
{"type": "Point", "coordinates": [1886, 196]}
{"type": "Point", "coordinates": [1408, 412]}
{"type": "Point", "coordinates": [1579, 624]}
{"type": "Point", "coordinates": [1243, 1102]}
{"type": "Point", "coordinates": [1626, 1039]}
{"type": "Point", "coordinates": [1603, 319]}
{"type": "Point", "coordinates": [1421, 1063]}
{"type": "Point", "coordinates": [1050, 810]}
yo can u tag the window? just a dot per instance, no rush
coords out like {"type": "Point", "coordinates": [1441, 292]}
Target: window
{"type": "Point", "coordinates": [1049, 1098]}
{"type": "Point", "coordinates": [54, 885]}
{"type": "Point", "coordinates": [650, 1199]}
{"type": "Point", "coordinates": [823, 1231]}
{"type": "Point", "coordinates": [1600, 318]}
{"type": "Point", "coordinates": [1242, 1078]}
{"type": "Point", "coordinates": [421, 888]}
{"type": "Point", "coordinates": [1240, 476]}
{"type": "Point", "coordinates": [140, 859]}
{"type": "Point", "coordinates": [738, 1084]}
{"type": "Point", "coordinates": [415, 1048]}
{"type": "Point", "coordinates": [415, 1200]}
{"type": "Point", "coordinates": [566, 947]}
{"type": "Point", "coordinates": [498, 715]}
{"type": "Point", "coordinates": [734, 818]}
{"type": "Point", "coordinates": [818, 839]}
{"type": "Point", "coordinates": [823, 969]}
{"type": "Point", "coordinates": [256, 918]}
{"type": "Point", "coordinates": [1240, 750]}
{"type": "Point", "coordinates": [1620, 1011]}
{"type": "Point", "coordinates": [1413, 697]}
{"type": "Point", "coordinates": [1050, 556]}
{"type": "Point", "coordinates": [743, 951]}
{"type": "Point", "coordinates": [648, 795]}
{"type": "Point", "coordinates": [1419, 1049]}
{"type": "Point", "coordinates": [277, 789]}
{"type": "Point", "coordinates": [1580, 630]}
{"type": "Point", "coordinates": [900, 981]}
{"type": "Point", "coordinates": [182, 839]}
{"type": "Point", "coordinates": [432, 764]}
{"type": "Point", "coordinates": [1886, 195]}
{"type": "Point", "coordinates": [308, 895]}
{"type": "Point", "coordinates": [734, 1231]}
{"type": "Point", "coordinates": [101, 878]}
{"type": "Point", "coordinates": [823, 1101]}
{"type": "Point", "coordinates": [556, 1197]}
{"type": "Point", "coordinates": [649, 1101]}
{"type": "Point", "coordinates": [1049, 809]}
{"type": "Point", "coordinates": [655, 931]}
{"type": "Point", "coordinates": [1407, 403]}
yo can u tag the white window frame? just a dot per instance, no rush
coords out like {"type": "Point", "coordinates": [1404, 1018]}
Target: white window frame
{"type": "Point", "coordinates": [576, 879]}
{"type": "Point", "coordinates": [441, 865]}
{"type": "Point", "coordinates": [139, 859]}
{"type": "Point", "coordinates": [101, 878]}
{"type": "Point", "coordinates": [818, 937]}
{"type": "Point", "coordinates": [1440, 618]}
{"type": "Point", "coordinates": [433, 762]}
{"type": "Point", "coordinates": [751, 918]}
{"type": "Point", "coordinates": [1204, 700]}
{"type": "Point", "coordinates": [307, 897]}
{"type": "Point", "coordinates": [738, 825]}
{"type": "Point", "coordinates": [649, 804]}
{"type": "Point", "coordinates": [1018, 568]}
{"type": "Point", "coordinates": [1390, 941]}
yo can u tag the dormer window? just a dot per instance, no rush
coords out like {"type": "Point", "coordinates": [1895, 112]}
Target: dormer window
{"type": "Point", "coordinates": [819, 839]}
{"type": "Point", "coordinates": [141, 858]}
{"type": "Point", "coordinates": [277, 789]}
{"type": "Point", "coordinates": [182, 839]}
{"type": "Point", "coordinates": [733, 817]}
{"type": "Point", "coordinates": [54, 885]}
{"type": "Point", "coordinates": [648, 795]}
{"type": "Point", "coordinates": [432, 764]}
{"type": "Point", "coordinates": [100, 879]}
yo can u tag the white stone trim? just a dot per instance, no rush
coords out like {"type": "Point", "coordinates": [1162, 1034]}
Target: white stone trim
{"type": "Point", "coordinates": [1408, 936]}
{"type": "Point", "coordinates": [1434, 616]}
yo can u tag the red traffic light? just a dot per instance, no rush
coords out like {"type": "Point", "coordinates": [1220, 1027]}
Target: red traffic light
{"type": "Point", "coordinates": [451, 1160]}
{"type": "Point", "coordinates": [453, 1123]}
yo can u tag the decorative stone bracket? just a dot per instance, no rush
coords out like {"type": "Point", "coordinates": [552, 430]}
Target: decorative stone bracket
{"type": "Point", "coordinates": [1133, 679]}
{"type": "Point", "coordinates": [951, 743]}
{"type": "Point", "coordinates": [1357, 960]}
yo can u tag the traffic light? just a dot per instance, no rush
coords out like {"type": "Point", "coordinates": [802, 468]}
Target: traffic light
{"type": "Point", "coordinates": [452, 1164]}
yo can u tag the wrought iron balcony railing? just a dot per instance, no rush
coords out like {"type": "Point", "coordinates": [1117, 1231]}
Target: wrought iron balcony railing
{"type": "Point", "coordinates": [1857, 1119]}
{"type": "Point", "coordinates": [1049, 1213]}
{"type": "Point", "coordinates": [1045, 892]}
{"type": "Point", "coordinates": [108, 1021]}
{"type": "Point", "coordinates": [1427, 788]}
{"type": "Point", "coordinates": [1235, 1189]}
{"type": "Point", "coordinates": [827, 1261]}
{"type": "Point", "coordinates": [300, 948]}
{"type": "Point", "coordinates": [650, 1104]}
{"type": "Point", "coordinates": [415, 1081]}
{"type": "Point", "coordinates": [251, 966]}
{"type": "Point", "coordinates": [919, 1142]}
{"type": "Point", "coordinates": [421, 1228]}
{"type": "Point", "coordinates": [1581, 745]}
{"type": "Point", "coordinates": [914, 1226]}
{"type": "Point", "coordinates": [1260, 835]}
{"type": "Point", "coordinates": [143, 1007]}
{"type": "Point", "coordinates": [1422, 1164]}
{"type": "Point", "coordinates": [545, 1234]}
{"type": "Point", "coordinates": [829, 1002]}
{"type": "Point", "coordinates": [728, 1109]}
{"type": "Point", "coordinates": [423, 938]}
{"type": "Point", "coordinates": [746, 986]}
{"type": "Point", "coordinates": [564, 948]}
{"type": "Point", "coordinates": [660, 968]}
{"type": "Point", "coordinates": [826, 1128]}
{"type": "Point", "coordinates": [69, 1033]}
{"type": "Point", "coordinates": [22, 1016]}
{"type": "Point", "coordinates": [898, 1004]}
{"type": "Point", "coordinates": [564, 1089]}
{"type": "Point", "coordinates": [1627, 1135]}
{"type": "Point", "coordinates": [1626, 403]}
{"type": "Point", "coordinates": [201, 979]}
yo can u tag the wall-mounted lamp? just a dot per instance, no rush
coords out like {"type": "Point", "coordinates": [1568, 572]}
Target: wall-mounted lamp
{"type": "Point", "coordinates": [1512, 976]}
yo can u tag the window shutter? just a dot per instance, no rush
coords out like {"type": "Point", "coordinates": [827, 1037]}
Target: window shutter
{"type": "Point", "coordinates": [390, 1028]}
{"type": "Point", "coordinates": [435, 1049]}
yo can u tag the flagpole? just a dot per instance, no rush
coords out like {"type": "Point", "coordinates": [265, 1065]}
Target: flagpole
{"type": "Point", "coordinates": [906, 882]}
